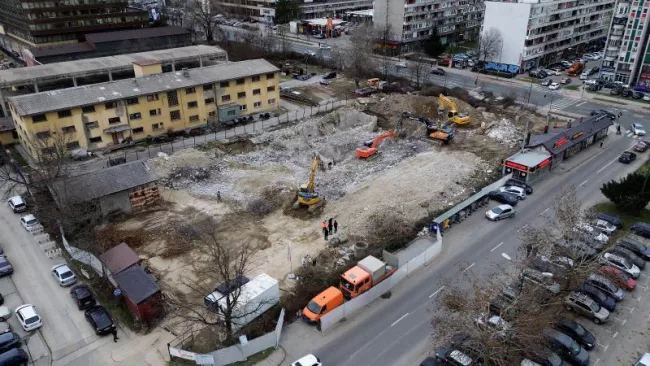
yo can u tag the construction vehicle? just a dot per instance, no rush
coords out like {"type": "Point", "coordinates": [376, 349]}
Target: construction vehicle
{"type": "Point", "coordinates": [369, 148]}
{"type": "Point", "coordinates": [367, 273]}
{"type": "Point", "coordinates": [307, 194]}
{"type": "Point", "coordinates": [575, 69]}
{"type": "Point", "coordinates": [453, 115]}
{"type": "Point", "coordinates": [444, 133]}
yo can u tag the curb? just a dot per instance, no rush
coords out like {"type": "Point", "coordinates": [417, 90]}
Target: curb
{"type": "Point", "coordinates": [274, 358]}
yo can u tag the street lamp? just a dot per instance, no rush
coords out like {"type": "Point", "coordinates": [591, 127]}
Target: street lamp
{"type": "Point", "coordinates": [500, 55]}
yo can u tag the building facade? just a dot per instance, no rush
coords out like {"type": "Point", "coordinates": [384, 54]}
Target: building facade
{"type": "Point", "coordinates": [626, 56]}
{"type": "Point", "coordinates": [410, 21]}
{"type": "Point", "coordinates": [537, 32]}
{"type": "Point", "coordinates": [42, 22]}
{"type": "Point", "coordinates": [100, 115]}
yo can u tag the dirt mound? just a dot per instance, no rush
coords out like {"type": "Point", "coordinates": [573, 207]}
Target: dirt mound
{"type": "Point", "coordinates": [164, 165]}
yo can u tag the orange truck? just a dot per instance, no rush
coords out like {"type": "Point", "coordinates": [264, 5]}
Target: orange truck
{"type": "Point", "coordinates": [575, 69]}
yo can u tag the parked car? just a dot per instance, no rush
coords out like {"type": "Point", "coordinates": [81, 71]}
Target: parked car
{"type": "Point", "coordinates": [616, 90]}
{"type": "Point", "coordinates": [554, 86]}
{"type": "Point", "coordinates": [17, 204]}
{"type": "Point", "coordinates": [500, 212]}
{"type": "Point", "coordinates": [637, 129]}
{"type": "Point", "coordinates": [644, 360]}
{"type": "Point", "coordinates": [329, 75]}
{"type": "Point", "coordinates": [641, 229]}
{"type": "Point", "coordinates": [401, 64]}
{"type": "Point", "coordinates": [584, 75]}
{"type": "Point", "coordinates": [308, 360]}
{"type": "Point", "coordinates": [605, 285]}
{"type": "Point", "coordinates": [576, 250]}
{"type": "Point", "coordinates": [628, 255]}
{"type": "Point", "coordinates": [594, 87]}
{"type": "Point", "coordinates": [13, 357]}
{"type": "Point", "coordinates": [640, 147]}
{"type": "Point", "coordinates": [542, 279]}
{"type": "Point", "coordinates": [591, 82]}
{"type": "Point", "coordinates": [620, 263]}
{"type": "Point", "coordinates": [324, 47]}
{"type": "Point", "coordinates": [302, 77]}
{"type": "Point", "coordinates": [620, 278]}
{"type": "Point", "coordinates": [635, 247]}
{"type": "Point", "coordinates": [28, 317]}
{"type": "Point", "coordinates": [429, 361]}
{"type": "Point", "coordinates": [600, 297]}
{"type": "Point", "coordinates": [546, 82]}
{"type": "Point", "coordinates": [646, 97]}
{"type": "Point", "coordinates": [626, 93]}
{"type": "Point", "coordinates": [604, 227]}
{"type": "Point", "coordinates": [63, 275]}
{"type": "Point", "coordinates": [566, 347]}
{"type": "Point", "coordinates": [553, 71]}
{"type": "Point", "coordinates": [100, 319]}
{"type": "Point", "coordinates": [544, 357]}
{"type": "Point", "coordinates": [565, 81]}
{"type": "Point", "coordinates": [9, 340]}
{"type": "Point", "coordinates": [494, 322]}
{"type": "Point", "coordinates": [627, 157]}
{"type": "Point", "coordinates": [28, 221]}
{"type": "Point", "coordinates": [438, 71]}
{"type": "Point", "coordinates": [611, 115]}
{"type": "Point", "coordinates": [637, 95]}
{"type": "Point", "coordinates": [83, 296]}
{"type": "Point", "coordinates": [504, 197]}
{"type": "Point", "coordinates": [553, 264]}
{"type": "Point", "coordinates": [614, 220]}
{"type": "Point", "coordinates": [517, 191]}
{"type": "Point", "coordinates": [6, 268]}
{"type": "Point", "coordinates": [576, 331]}
{"type": "Point", "coordinates": [520, 184]}
{"type": "Point", "coordinates": [591, 235]}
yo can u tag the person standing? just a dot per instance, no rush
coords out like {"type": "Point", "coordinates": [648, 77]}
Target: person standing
{"type": "Point", "coordinates": [324, 226]}
{"type": "Point", "coordinates": [114, 331]}
{"type": "Point", "coordinates": [336, 226]}
{"type": "Point", "coordinates": [329, 225]}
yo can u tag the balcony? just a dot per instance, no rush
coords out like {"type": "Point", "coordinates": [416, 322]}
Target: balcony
{"type": "Point", "coordinates": [618, 26]}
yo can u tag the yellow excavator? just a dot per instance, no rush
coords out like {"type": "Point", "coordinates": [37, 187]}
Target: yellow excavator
{"type": "Point", "coordinates": [453, 115]}
{"type": "Point", "coordinates": [307, 194]}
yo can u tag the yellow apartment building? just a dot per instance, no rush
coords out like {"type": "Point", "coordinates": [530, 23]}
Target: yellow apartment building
{"type": "Point", "coordinates": [99, 115]}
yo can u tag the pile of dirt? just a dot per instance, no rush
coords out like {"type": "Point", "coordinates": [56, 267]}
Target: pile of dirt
{"type": "Point", "coordinates": [164, 165]}
{"type": "Point", "coordinates": [505, 131]}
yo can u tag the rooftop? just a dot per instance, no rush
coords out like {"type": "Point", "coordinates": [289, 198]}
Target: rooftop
{"type": "Point", "coordinates": [55, 100]}
{"type": "Point", "coordinates": [7, 124]}
{"type": "Point", "coordinates": [559, 139]}
{"type": "Point", "coordinates": [530, 158]}
{"type": "Point", "coordinates": [137, 284]}
{"type": "Point", "coordinates": [119, 258]}
{"type": "Point", "coordinates": [135, 34]}
{"type": "Point", "coordinates": [101, 65]}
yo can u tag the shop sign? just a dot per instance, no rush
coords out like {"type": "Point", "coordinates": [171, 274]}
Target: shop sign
{"type": "Point", "coordinates": [576, 135]}
{"type": "Point", "coordinates": [544, 163]}
{"type": "Point", "coordinates": [561, 142]}
{"type": "Point", "coordinates": [516, 166]}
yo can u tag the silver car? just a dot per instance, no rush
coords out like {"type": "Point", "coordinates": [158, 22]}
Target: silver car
{"type": "Point", "coordinates": [585, 306]}
{"type": "Point", "coordinates": [620, 263]}
{"type": "Point", "coordinates": [500, 212]}
{"type": "Point", "coordinates": [543, 279]}
{"type": "Point", "coordinates": [63, 275]}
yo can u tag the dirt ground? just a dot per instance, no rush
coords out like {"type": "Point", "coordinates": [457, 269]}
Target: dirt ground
{"type": "Point", "coordinates": [411, 174]}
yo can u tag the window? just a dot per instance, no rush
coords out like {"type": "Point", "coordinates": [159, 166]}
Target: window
{"type": "Point", "coordinates": [132, 101]}
{"type": "Point", "coordinates": [43, 134]}
{"type": "Point", "coordinates": [72, 145]}
{"type": "Point", "coordinates": [241, 95]}
{"type": "Point", "coordinates": [64, 113]}
{"type": "Point", "coordinates": [39, 118]}
{"type": "Point", "coordinates": [109, 105]}
{"type": "Point", "coordinates": [175, 115]}
{"type": "Point", "coordinates": [114, 120]}
{"type": "Point", "coordinates": [138, 130]}
{"type": "Point", "coordinates": [172, 98]}
{"type": "Point", "coordinates": [192, 104]}
{"type": "Point", "coordinates": [270, 89]}
{"type": "Point", "coordinates": [191, 90]}
{"type": "Point", "coordinates": [91, 125]}
{"type": "Point", "coordinates": [272, 101]}
{"type": "Point", "coordinates": [212, 113]}
{"type": "Point", "coordinates": [94, 140]}
{"type": "Point", "coordinates": [242, 107]}
{"type": "Point", "coordinates": [225, 98]}
{"type": "Point", "coordinates": [209, 100]}
{"type": "Point", "coordinates": [224, 84]}
{"type": "Point", "coordinates": [257, 104]}
{"type": "Point", "coordinates": [157, 126]}
{"type": "Point", "coordinates": [88, 109]}
{"type": "Point", "coordinates": [255, 78]}
{"type": "Point", "coordinates": [153, 112]}
{"type": "Point", "coordinates": [241, 81]}
{"type": "Point", "coordinates": [207, 87]}
{"type": "Point", "coordinates": [48, 150]}
{"type": "Point", "coordinates": [69, 129]}
{"type": "Point", "coordinates": [152, 97]}
{"type": "Point", "coordinates": [270, 75]}
{"type": "Point", "coordinates": [133, 116]}
{"type": "Point", "coordinates": [256, 91]}
{"type": "Point", "coordinates": [194, 118]}
{"type": "Point", "coordinates": [232, 112]}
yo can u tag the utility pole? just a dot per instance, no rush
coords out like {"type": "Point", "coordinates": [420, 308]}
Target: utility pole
{"type": "Point", "coordinates": [523, 142]}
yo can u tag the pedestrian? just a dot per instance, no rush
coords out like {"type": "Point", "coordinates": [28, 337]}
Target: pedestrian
{"type": "Point", "coordinates": [115, 338]}
{"type": "Point", "coordinates": [329, 225]}
{"type": "Point", "coordinates": [336, 226]}
{"type": "Point", "coordinates": [601, 144]}
{"type": "Point", "coordinates": [218, 196]}
{"type": "Point", "coordinates": [324, 226]}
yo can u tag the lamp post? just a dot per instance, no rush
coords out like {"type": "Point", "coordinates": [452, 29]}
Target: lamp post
{"type": "Point", "coordinates": [500, 55]}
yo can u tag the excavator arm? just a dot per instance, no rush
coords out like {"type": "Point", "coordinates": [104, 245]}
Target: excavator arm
{"type": "Point", "coordinates": [311, 183]}
{"type": "Point", "coordinates": [452, 115]}
{"type": "Point", "coordinates": [380, 138]}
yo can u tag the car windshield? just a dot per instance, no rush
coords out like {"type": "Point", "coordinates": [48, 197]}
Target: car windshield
{"type": "Point", "coordinates": [594, 307]}
{"type": "Point", "coordinates": [575, 347]}
{"type": "Point", "coordinates": [32, 320]}
{"type": "Point", "coordinates": [554, 359]}
{"type": "Point", "coordinates": [497, 210]}
{"type": "Point", "coordinates": [313, 307]}
{"type": "Point", "coordinates": [32, 222]}
{"type": "Point", "coordinates": [102, 320]}
{"type": "Point", "coordinates": [66, 274]}
{"type": "Point", "coordinates": [578, 329]}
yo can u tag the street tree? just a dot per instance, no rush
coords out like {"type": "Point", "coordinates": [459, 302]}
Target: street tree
{"type": "Point", "coordinates": [433, 46]}
{"type": "Point", "coordinates": [286, 11]}
{"type": "Point", "coordinates": [631, 194]}
{"type": "Point", "coordinates": [204, 15]}
{"type": "Point", "coordinates": [419, 69]}
{"type": "Point", "coordinates": [490, 44]}
{"type": "Point", "coordinates": [359, 62]}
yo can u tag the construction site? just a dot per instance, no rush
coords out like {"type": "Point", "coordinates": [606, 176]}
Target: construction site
{"type": "Point", "coordinates": [336, 164]}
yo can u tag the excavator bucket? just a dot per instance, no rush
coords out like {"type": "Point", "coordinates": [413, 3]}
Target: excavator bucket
{"type": "Point", "coordinates": [366, 152]}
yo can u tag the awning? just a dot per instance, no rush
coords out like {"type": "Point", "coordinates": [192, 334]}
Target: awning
{"type": "Point", "coordinates": [115, 129]}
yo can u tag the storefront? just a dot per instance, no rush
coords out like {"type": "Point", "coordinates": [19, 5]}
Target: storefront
{"type": "Point", "coordinates": [528, 165]}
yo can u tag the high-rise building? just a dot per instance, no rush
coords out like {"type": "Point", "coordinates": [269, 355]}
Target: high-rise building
{"type": "Point", "coordinates": [410, 21]}
{"type": "Point", "coordinates": [626, 56]}
{"type": "Point", "coordinates": [37, 23]}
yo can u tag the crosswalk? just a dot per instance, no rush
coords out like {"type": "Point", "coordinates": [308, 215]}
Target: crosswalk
{"type": "Point", "coordinates": [629, 134]}
{"type": "Point", "coordinates": [560, 104]}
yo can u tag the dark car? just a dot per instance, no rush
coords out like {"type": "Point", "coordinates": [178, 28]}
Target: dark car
{"type": "Point", "coordinates": [576, 331]}
{"type": "Point", "coordinates": [520, 184]}
{"type": "Point", "coordinates": [100, 319]}
{"type": "Point", "coordinates": [430, 361]}
{"type": "Point", "coordinates": [627, 157]}
{"type": "Point", "coordinates": [626, 93]}
{"type": "Point", "coordinates": [606, 286]}
{"type": "Point", "coordinates": [636, 247]}
{"type": "Point", "coordinates": [13, 357]}
{"type": "Point", "coordinates": [566, 347]}
{"type": "Point", "coordinates": [329, 75]}
{"type": "Point", "coordinates": [611, 115]}
{"type": "Point", "coordinates": [614, 220]}
{"type": "Point", "coordinates": [640, 147]}
{"type": "Point", "coordinates": [438, 71]}
{"type": "Point", "coordinates": [504, 197]}
{"type": "Point", "coordinates": [546, 357]}
{"type": "Point", "coordinates": [637, 95]}
{"type": "Point", "coordinates": [546, 82]}
{"type": "Point", "coordinates": [5, 267]}
{"type": "Point", "coordinates": [600, 297]}
{"type": "Point", "coordinates": [82, 296]}
{"type": "Point", "coordinates": [641, 229]}
{"type": "Point", "coordinates": [616, 91]}
{"type": "Point", "coordinates": [576, 250]}
{"type": "Point", "coordinates": [629, 255]}
{"type": "Point", "coordinates": [8, 341]}
{"type": "Point", "coordinates": [595, 87]}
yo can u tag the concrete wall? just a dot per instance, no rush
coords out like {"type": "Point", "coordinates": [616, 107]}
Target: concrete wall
{"type": "Point", "coordinates": [511, 19]}
{"type": "Point", "coordinates": [115, 202]}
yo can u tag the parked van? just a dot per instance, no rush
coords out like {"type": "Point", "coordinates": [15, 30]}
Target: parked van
{"type": "Point", "coordinates": [322, 304]}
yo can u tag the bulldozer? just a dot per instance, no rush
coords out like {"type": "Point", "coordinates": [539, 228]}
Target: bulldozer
{"type": "Point", "coordinates": [453, 115]}
{"type": "Point", "coordinates": [307, 194]}
{"type": "Point", "coordinates": [444, 133]}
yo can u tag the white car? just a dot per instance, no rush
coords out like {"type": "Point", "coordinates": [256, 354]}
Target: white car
{"type": "Point", "coordinates": [646, 97]}
{"type": "Point", "coordinates": [554, 86]}
{"type": "Point", "coordinates": [591, 82]}
{"type": "Point", "coordinates": [604, 227]}
{"type": "Point", "coordinates": [309, 360]}
{"type": "Point", "coordinates": [28, 221]}
{"type": "Point", "coordinates": [517, 191]}
{"type": "Point", "coordinates": [28, 317]}
{"type": "Point", "coordinates": [495, 322]}
{"type": "Point", "coordinates": [310, 53]}
{"type": "Point", "coordinates": [500, 212]}
{"type": "Point", "coordinates": [552, 72]}
{"type": "Point", "coordinates": [324, 47]}
{"type": "Point", "coordinates": [637, 129]}
{"type": "Point", "coordinates": [63, 275]}
{"type": "Point", "coordinates": [584, 76]}
{"type": "Point", "coordinates": [401, 64]}
{"type": "Point", "coordinates": [17, 204]}
{"type": "Point", "coordinates": [620, 263]}
{"type": "Point", "coordinates": [592, 232]}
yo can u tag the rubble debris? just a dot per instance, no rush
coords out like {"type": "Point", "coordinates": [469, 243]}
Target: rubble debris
{"type": "Point", "coordinates": [505, 131]}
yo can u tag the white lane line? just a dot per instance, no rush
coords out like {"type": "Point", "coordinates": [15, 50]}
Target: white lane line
{"type": "Point", "coordinates": [435, 293]}
{"type": "Point", "coordinates": [545, 211]}
{"type": "Point", "coordinates": [606, 165]}
{"type": "Point", "coordinates": [615, 334]}
{"type": "Point", "coordinates": [521, 228]}
{"type": "Point", "coordinates": [596, 363]}
{"type": "Point", "coordinates": [583, 183]}
{"type": "Point", "coordinates": [632, 310]}
{"type": "Point", "coordinates": [470, 266]}
{"type": "Point", "coordinates": [504, 255]}
{"type": "Point", "coordinates": [579, 104]}
{"type": "Point", "coordinates": [500, 244]}
{"type": "Point", "coordinates": [397, 321]}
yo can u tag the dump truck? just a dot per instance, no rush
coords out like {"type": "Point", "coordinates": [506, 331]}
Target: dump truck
{"type": "Point", "coordinates": [367, 273]}
{"type": "Point", "coordinates": [575, 69]}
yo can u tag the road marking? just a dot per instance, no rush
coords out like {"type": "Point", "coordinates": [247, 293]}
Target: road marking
{"type": "Point", "coordinates": [504, 255]}
{"type": "Point", "coordinates": [643, 287]}
{"type": "Point", "coordinates": [644, 275]}
{"type": "Point", "coordinates": [583, 183]}
{"type": "Point", "coordinates": [435, 293]}
{"type": "Point", "coordinates": [545, 211]}
{"type": "Point", "coordinates": [579, 104]}
{"type": "Point", "coordinates": [632, 310]}
{"type": "Point", "coordinates": [470, 266]}
{"type": "Point", "coordinates": [521, 228]}
{"type": "Point", "coordinates": [604, 347]}
{"type": "Point", "coordinates": [496, 246]}
{"type": "Point", "coordinates": [596, 363]}
{"type": "Point", "coordinates": [615, 334]}
{"type": "Point", "coordinates": [608, 164]}
{"type": "Point", "coordinates": [397, 321]}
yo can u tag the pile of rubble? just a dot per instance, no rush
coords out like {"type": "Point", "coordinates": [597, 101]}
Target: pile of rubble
{"type": "Point", "coordinates": [504, 131]}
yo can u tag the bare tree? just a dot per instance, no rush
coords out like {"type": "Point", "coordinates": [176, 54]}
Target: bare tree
{"type": "Point", "coordinates": [358, 53]}
{"type": "Point", "coordinates": [204, 15]}
{"type": "Point", "coordinates": [490, 44]}
{"type": "Point", "coordinates": [419, 70]}
{"type": "Point", "coordinates": [283, 34]}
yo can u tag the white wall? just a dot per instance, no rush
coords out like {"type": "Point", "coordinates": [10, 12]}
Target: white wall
{"type": "Point", "coordinates": [511, 19]}
{"type": "Point", "coordinates": [395, 19]}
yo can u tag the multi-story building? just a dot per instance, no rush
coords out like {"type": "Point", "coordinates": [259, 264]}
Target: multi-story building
{"type": "Point", "coordinates": [99, 115]}
{"type": "Point", "coordinates": [46, 22]}
{"type": "Point", "coordinates": [626, 56]}
{"type": "Point", "coordinates": [410, 21]}
{"type": "Point", "coordinates": [264, 10]}
{"type": "Point", "coordinates": [539, 32]}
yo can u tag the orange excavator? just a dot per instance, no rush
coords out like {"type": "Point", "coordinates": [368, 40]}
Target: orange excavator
{"type": "Point", "coordinates": [369, 148]}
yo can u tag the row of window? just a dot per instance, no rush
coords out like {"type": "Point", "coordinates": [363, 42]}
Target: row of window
{"type": "Point", "coordinates": [83, 23]}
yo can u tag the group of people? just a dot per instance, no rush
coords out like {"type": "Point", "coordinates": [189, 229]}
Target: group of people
{"type": "Point", "coordinates": [328, 225]}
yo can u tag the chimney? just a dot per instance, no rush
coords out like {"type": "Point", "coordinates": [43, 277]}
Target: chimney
{"type": "Point", "coordinates": [546, 129]}
{"type": "Point", "coordinates": [528, 138]}
{"type": "Point", "coordinates": [185, 72]}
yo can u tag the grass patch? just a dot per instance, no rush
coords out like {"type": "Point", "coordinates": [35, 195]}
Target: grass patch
{"type": "Point", "coordinates": [610, 101]}
{"type": "Point", "coordinates": [528, 79]}
{"type": "Point", "coordinates": [252, 360]}
{"type": "Point", "coordinates": [572, 87]}
{"type": "Point", "coordinates": [628, 219]}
